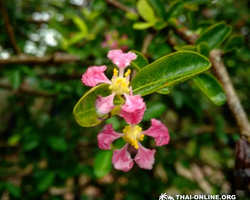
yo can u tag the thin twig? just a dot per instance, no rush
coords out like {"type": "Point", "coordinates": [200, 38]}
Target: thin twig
{"type": "Point", "coordinates": [26, 90]}
{"type": "Point", "coordinates": [120, 6]}
{"type": "Point", "coordinates": [57, 58]}
{"type": "Point", "coordinates": [9, 28]}
{"type": "Point", "coordinates": [220, 71]}
{"type": "Point", "coordinates": [232, 97]}
{"type": "Point", "coordinates": [146, 43]}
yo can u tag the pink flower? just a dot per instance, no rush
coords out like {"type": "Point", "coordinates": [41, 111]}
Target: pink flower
{"type": "Point", "coordinates": [95, 75]}
{"type": "Point", "coordinates": [122, 160]}
{"type": "Point", "coordinates": [159, 132]}
{"type": "Point", "coordinates": [107, 136]}
{"type": "Point", "coordinates": [120, 59]}
{"type": "Point", "coordinates": [145, 157]}
{"type": "Point", "coordinates": [132, 135]}
{"type": "Point", "coordinates": [119, 84]}
{"type": "Point", "coordinates": [105, 104]}
{"type": "Point", "coordinates": [133, 109]}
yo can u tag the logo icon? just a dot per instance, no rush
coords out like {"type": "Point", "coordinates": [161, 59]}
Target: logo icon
{"type": "Point", "coordinates": [165, 196]}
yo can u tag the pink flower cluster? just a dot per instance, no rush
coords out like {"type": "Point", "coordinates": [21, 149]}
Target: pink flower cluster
{"type": "Point", "coordinates": [114, 41]}
{"type": "Point", "coordinates": [132, 110]}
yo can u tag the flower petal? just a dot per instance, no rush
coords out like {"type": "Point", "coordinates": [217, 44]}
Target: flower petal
{"type": "Point", "coordinates": [95, 75]}
{"type": "Point", "coordinates": [122, 160]}
{"type": "Point", "coordinates": [120, 59]}
{"type": "Point", "coordinates": [133, 109]}
{"type": "Point", "coordinates": [107, 136]}
{"type": "Point", "coordinates": [105, 104]}
{"type": "Point", "coordinates": [145, 157]}
{"type": "Point", "coordinates": [159, 132]}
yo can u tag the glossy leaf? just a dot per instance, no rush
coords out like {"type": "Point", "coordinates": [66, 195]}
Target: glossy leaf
{"type": "Point", "coordinates": [203, 49]}
{"type": "Point", "coordinates": [154, 111]}
{"type": "Point", "coordinates": [142, 25]}
{"type": "Point", "coordinates": [169, 70]}
{"type": "Point", "coordinates": [145, 11]}
{"type": "Point", "coordinates": [186, 48]}
{"type": "Point", "coordinates": [140, 61]}
{"type": "Point", "coordinates": [175, 9]}
{"type": "Point", "coordinates": [209, 85]}
{"type": "Point", "coordinates": [102, 163]}
{"type": "Point", "coordinates": [159, 8]}
{"type": "Point", "coordinates": [215, 35]}
{"type": "Point", "coordinates": [233, 43]}
{"type": "Point", "coordinates": [85, 112]}
{"type": "Point", "coordinates": [165, 90]}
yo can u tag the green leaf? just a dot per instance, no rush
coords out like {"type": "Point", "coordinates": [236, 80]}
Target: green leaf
{"type": "Point", "coordinates": [75, 39]}
{"type": "Point", "coordinates": [132, 16]}
{"type": "Point", "coordinates": [14, 139]}
{"type": "Point", "coordinates": [145, 11]}
{"type": "Point", "coordinates": [175, 9]}
{"type": "Point", "coordinates": [160, 25]}
{"type": "Point", "coordinates": [13, 190]}
{"type": "Point", "coordinates": [197, 1]}
{"type": "Point", "coordinates": [154, 111]}
{"type": "Point", "coordinates": [143, 25]}
{"type": "Point", "coordinates": [165, 90]}
{"type": "Point", "coordinates": [15, 78]}
{"type": "Point", "coordinates": [215, 35]}
{"type": "Point", "coordinates": [159, 8]}
{"type": "Point", "coordinates": [81, 25]}
{"type": "Point", "coordinates": [192, 21]}
{"type": "Point", "coordinates": [102, 163]}
{"type": "Point", "coordinates": [85, 111]}
{"type": "Point", "coordinates": [209, 85]}
{"type": "Point", "coordinates": [140, 61]}
{"type": "Point", "coordinates": [203, 49]}
{"type": "Point", "coordinates": [233, 43]}
{"type": "Point", "coordinates": [169, 70]}
{"type": "Point", "coordinates": [57, 143]}
{"type": "Point", "coordinates": [46, 181]}
{"type": "Point", "coordinates": [186, 48]}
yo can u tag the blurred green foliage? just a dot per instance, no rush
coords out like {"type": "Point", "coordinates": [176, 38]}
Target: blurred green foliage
{"type": "Point", "coordinates": [45, 154]}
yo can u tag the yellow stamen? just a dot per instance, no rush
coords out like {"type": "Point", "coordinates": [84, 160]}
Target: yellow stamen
{"type": "Point", "coordinates": [115, 71]}
{"type": "Point", "coordinates": [128, 72]}
{"type": "Point", "coordinates": [132, 134]}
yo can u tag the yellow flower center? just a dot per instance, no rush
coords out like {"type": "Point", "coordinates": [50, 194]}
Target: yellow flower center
{"type": "Point", "coordinates": [132, 134]}
{"type": "Point", "coordinates": [120, 85]}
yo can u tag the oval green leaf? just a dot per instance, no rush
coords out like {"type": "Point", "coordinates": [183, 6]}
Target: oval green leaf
{"type": "Point", "coordinates": [154, 111]}
{"type": "Point", "coordinates": [215, 35]}
{"type": "Point", "coordinates": [143, 25]}
{"type": "Point", "coordinates": [175, 9]}
{"type": "Point", "coordinates": [233, 43]}
{"type": "Point", "coordinates": [209, 85]}
{"type": "Point", "coordinates": [140, 62]}
{"type": "Point", "coordinates": [145, 11]}
{"type": "Point", "coordinates": [203, 49]}
{"type": "Point", "coordinates": [102, 163]}
{"type": "Point", "coordinates": [159, 8]}
{"type": "Point", "coordinates": [169, 70]}
{"type": "Point", "coordinates": [85, 111]}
